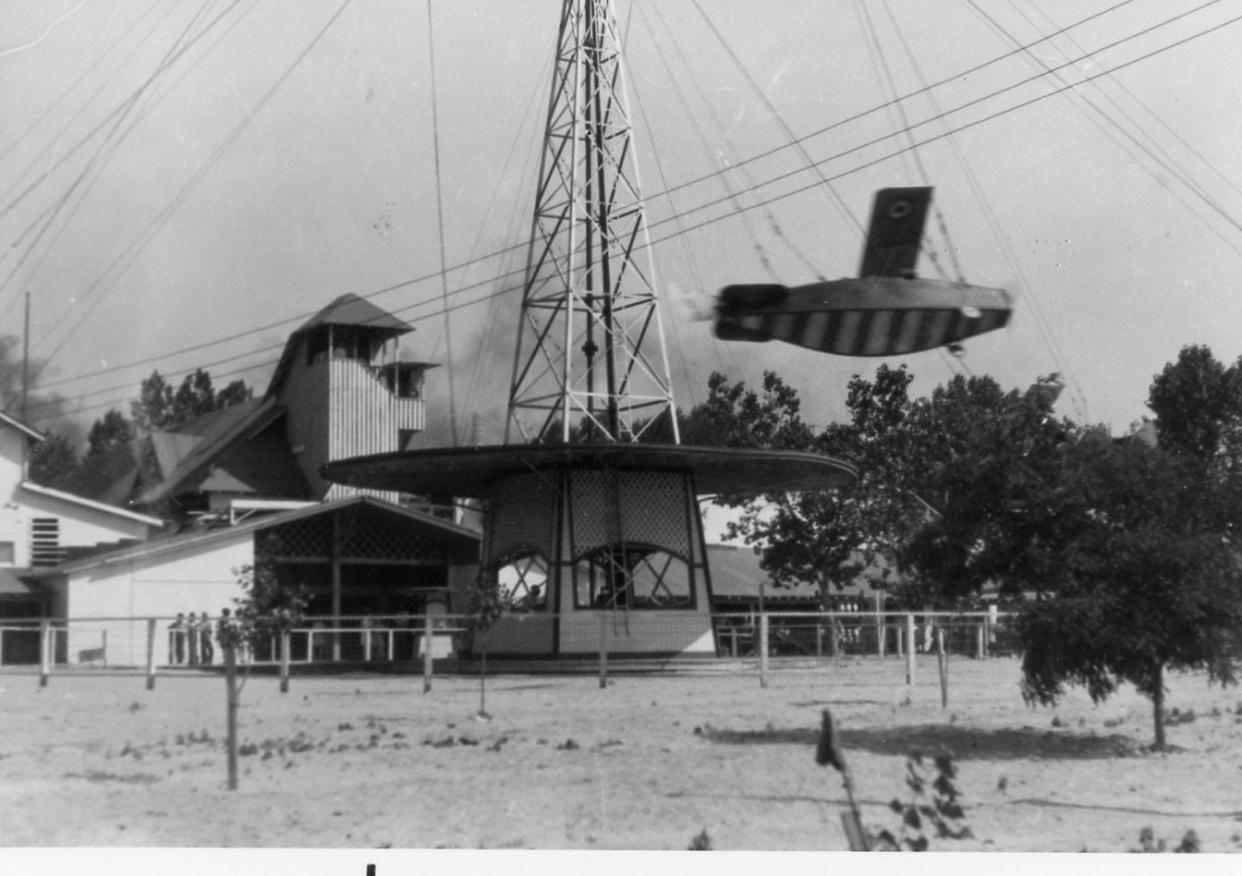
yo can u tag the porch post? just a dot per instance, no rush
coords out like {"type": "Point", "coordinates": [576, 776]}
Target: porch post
{"type": "Point", "coordinates": [336, 588]}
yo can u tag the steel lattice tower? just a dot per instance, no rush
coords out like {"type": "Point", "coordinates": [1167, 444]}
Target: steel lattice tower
{"type": "Point", "coordinates": [590, 342]}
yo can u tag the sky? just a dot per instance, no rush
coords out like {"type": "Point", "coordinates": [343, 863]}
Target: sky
{"type": "Point", "coordinates": [182, 184]}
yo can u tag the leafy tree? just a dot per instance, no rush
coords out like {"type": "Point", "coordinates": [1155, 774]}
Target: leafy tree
{"type": "Point", "coordinates": [154, 408]}
{"type": "Point", "coordinates": [53, 457]}
{"type": "Point", "coordinates": [235, 393]}
{"type": "Point", "coordinates": [267, 607]}
{"type": "Point", "coordinates": [110, 430]}
{"type": "Point", "coordinates": [1145, 581]}
{"type": "Point", "coordinates": [1198, 404]}
{"type": "Point", "coordinates": [159, 407]}
{"type": "Point", "coordinates": [735, 416]}
{"type": "Point", "coordinates": [983, 460]}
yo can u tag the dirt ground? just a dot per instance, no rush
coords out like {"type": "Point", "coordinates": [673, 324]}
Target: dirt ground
{"type": "Point", "coordinates": [650, 762]}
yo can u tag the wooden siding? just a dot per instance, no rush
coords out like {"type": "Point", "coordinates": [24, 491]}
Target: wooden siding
{"type": "Point", "coordinates": [189, 580]}
{"type": "Point", "coordinates": [338, 408]}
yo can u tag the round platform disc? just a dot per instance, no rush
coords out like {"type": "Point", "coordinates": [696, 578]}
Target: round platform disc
{"type": "Point", "coordinates": [468, 471]}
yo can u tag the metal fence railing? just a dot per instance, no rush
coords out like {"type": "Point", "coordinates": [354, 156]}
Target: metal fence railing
{"type": "Point", "coordinates": [732, 641]}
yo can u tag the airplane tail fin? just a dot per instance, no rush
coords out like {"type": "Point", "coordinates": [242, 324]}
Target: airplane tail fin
{"type": "Point", "coordinates": [897, 220]}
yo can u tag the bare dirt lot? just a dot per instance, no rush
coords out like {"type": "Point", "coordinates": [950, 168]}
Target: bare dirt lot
{"type": "Point", "coordinates": [369, 761]}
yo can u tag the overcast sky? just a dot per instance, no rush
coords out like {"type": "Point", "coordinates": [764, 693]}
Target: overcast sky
{"type": "Point", "coordinates": [280, 153]}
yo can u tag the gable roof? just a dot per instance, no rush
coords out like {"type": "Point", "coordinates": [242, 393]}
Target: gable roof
{"type": "Point", "coordinates": [207, 537]}
{"type": "Point", "coordinates": [347, 309]}
{"type": "Point", "coordinates": [80, 501]}
{"type": "Point", "coordinates": [14, 423]}
{"type": "Point", "coordinates": [214, 435]}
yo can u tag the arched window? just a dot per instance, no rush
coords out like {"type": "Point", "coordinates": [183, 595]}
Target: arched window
{"type": "Point", "coordinates": [523, 580]}
{"type": "Point", "coordinates": [636, 576]}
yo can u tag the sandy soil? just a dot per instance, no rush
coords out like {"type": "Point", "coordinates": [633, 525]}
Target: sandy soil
{"type": "Point", "coordinates": [367, 761]}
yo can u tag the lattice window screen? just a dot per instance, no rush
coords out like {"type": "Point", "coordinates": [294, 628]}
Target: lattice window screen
{"type": "Point", "coordinates": [610, 507]}
{"type": "Point", "coordinates": [523, 511]}
{"type": "Point", "coordinates": [375, 537]}
{"type": "Point", "coordinates": [310, 538]}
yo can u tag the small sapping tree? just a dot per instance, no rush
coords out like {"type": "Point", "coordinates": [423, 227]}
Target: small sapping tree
{"type": "Point", "coordinates": [265, 611]}
{"type": "Point", "coordinates": [267, 608]}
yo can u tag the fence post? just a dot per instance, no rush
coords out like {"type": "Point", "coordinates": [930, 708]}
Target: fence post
{"type": "Point", "coordinates": [284, 660]}
{"type": "Point", "coordinates": [150, 653]}
{"type": "Point", "coordinates": [943, 661]}
{"type": "Point", "coordinates": [366, 644]}
{"type": "Point", "coordinates": [980, 639]}
{"type": "Point", "coordinates": [910, 648]}
{"type": "Point", "coordinates": [763, 649]}
{"type": "Point", "coordinates": [1, 646]}
{"type": "Point", "coordinates": [427, 669]}
{"type": "Point", "coordinates": [603, 649]}
{"type": "Point", "coordinates": [45, 651]}
{"type": "Point", "coordinates": [231, 698]}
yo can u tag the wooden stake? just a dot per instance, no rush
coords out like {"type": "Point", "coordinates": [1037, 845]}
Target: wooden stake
{"type": "Point", "coordinates": [230, 688]}
{"type": "Point", "coordinates": [943, 661]}
{"type": "Point", "coordinates": [603, 650]}
{"type": "Point", "coordinates": [911, 649]}
{"type": "Point", "coordinates": [427, 668]}
{"type": "Point", "coordinates": [45, 651]}
{"type": "Point", "coordinates": [763, 650]}
{"type": "Point", "coordinates": [284, 661]}
{"type": "Point", "coordinates": [150, 653]}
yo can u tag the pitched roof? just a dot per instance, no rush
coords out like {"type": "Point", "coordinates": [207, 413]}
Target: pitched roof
{"type": "Point", "coordinates": [103, 507]}
{"type": "Point", "coordinates": [348, 309]}
{"type": "Point", "coordinates": [222, 432]}
{"type": "Point", "coordinates": [206, 537]}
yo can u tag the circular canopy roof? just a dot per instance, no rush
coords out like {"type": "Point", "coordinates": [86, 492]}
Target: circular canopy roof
{"type": "Point", "coordinates": [469, 471]}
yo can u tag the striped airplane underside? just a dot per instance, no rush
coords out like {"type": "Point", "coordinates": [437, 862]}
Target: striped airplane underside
{"type": "Point", "coordinates": [874, 332]}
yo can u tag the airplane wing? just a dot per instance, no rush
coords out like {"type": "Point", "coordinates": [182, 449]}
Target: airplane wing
{"type": "Point", "coordinates": [896, 232]}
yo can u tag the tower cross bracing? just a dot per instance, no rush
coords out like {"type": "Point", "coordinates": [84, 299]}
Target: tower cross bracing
{"type": "Point", "coordinates": [590, 342]}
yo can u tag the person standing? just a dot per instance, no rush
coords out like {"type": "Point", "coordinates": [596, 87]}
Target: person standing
{"type": "Point", "coordinates": [207, 651]}
{"type": "Point", "coordinates": [176, 640]}
{"type": "Point", "coordinates": [191, 638]}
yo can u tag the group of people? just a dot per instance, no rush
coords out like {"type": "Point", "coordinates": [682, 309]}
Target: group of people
{"type": "Point", "coordinates": [190, 640]}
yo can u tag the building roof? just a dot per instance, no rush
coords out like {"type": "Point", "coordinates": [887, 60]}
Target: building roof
{"type": "Point", "coordinates": [101, 507]}
{"type": "Point", "coordinates": [348, 309]}
{"type": "Point", "coordinates": [207, 537]}
{"type": "Point", "coordinates": [224, 456]}
{"type": "Point", "coordinates": [11, 583]}
{"type": "Point", "coordinates": [471, 471]}
{"type": "Point", "coordinates": [736, 574]}
{"type": "Point", "coordinates": [13, 423]}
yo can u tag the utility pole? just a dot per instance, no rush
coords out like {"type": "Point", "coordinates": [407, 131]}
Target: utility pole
{"type": "Point", "coordinates": [26, 361]}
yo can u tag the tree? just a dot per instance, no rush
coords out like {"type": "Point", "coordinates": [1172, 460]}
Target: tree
{"type": "Point", "coordinates": [53, 457]}
{"type": "Point", "coordinates": [983, 459]}
{"type": "Point", "coordinates": [110, 430]}
{"type": "Point", "coordinates": [154, 408]}
{"type": "Point", "coordinates": [1146, 581]}
{"type": "Point", "coordinates": [1198, 404]}
{"type": "Point", "coordinates": [267, 610]}
{"type": "Point", "coordinates": [160, 408]}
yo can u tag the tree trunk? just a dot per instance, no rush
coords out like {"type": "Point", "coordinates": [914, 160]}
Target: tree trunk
{"type": "Point", "coordinates": [1157, 702]}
